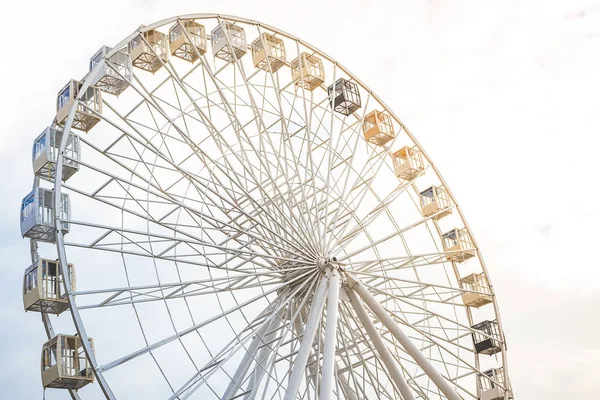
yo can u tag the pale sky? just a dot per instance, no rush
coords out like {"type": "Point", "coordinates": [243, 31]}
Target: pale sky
{"type": "Point", "coordinates": [502, 95]}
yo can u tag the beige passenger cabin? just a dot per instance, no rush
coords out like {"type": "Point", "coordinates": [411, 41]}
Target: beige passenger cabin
{"type": "Point", "coordinates": [88, 107]}
{"type": "Point", "coordinates": [492, 385]}
{"type": "Point", "coordinates": [37, 215]}
{"type": "Point", "coordinates": [268, 52]}
{"type": "Point", "coordinates": [479, 290]}
{"type": "Point", "coordinates": [228, 41]}
{"type": "Point", "coordinates": [45, 154]}
{"type": "Point", "coordinates": [115, 74]}
{"type": "Point", "coordinates": [435, 201]}
{"type": "Point", "coordinates": [149, 50]}
{"type": "Point", "coordinates": [378, 128]}
{"type": "Point", "coordinates": [344, 96]}
{"type": "Point", "coordinates": [458, 241]}
{"type": "Point", "coordinates": [308, 71]}
{"type": "Point", "coordinates": [486, 337]}
{"type": "Point", "coordinates": [64, 363]}
{"type": "Point", "coordinates": [408, 163]}
{"type": "Point", "coordinates": [43, 287]}
{"type": "Point", "coordinates": [187, 40]}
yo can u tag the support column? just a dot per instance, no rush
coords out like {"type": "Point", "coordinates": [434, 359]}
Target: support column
{"type": "Point", "coordinates": [347, 390]}
{"type": "Point", "coordinates": [404, 340]}
{"type": "Point", "coordinates": [333, 298]}
{"type": "Point", "coordinates": [382, 350]}
{"type": "Point", "coordinates": [310, 330]}
{"type": "Point", "coordinates": [261, 367]}
{"type": "Point", "coordinates": [249, 357]}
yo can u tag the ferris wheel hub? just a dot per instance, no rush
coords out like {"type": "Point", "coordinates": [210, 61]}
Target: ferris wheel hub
{"type": "Point", "coordinates": [326, 263]}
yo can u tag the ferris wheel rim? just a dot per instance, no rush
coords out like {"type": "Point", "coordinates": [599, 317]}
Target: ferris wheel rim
{"type": "Point", "coordinates": [58, 183]}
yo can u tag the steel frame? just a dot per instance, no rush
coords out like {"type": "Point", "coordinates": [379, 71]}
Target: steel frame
{"type": "Point", "coordinates": [271, 211]}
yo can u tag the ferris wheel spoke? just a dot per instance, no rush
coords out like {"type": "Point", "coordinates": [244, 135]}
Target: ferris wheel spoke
{"type": "Point", "coordinates": [372, 215]}
{"type": "Point", "coordinates": [166, 291]}
{"type": "Point", "coordinates": [346, 172]}
{"type": "Point", "coordinates": [431, 314]}
{"type": "Point", "coordinates": [176, 205]}
{"type": "Point", "coordinates": [165, 243]}
{"type": "Point", "coordinates": [278, 97]}
{"type": "Point", "coordinates": [365, 183]}
{"type": "Point", "coordinates": [412, 284]}
{"type": "Point", "coordinates": [324, 216]}
{"type": "Point", "coordinates": [184, 258]}
{"type": "Point", "coordinates": [199, 150]}
{"type": "Point", "coordinates": [387, 264]}
{"type": "Point", "coordinates": [232, 116]}
{"type": "Point", "coordinates": [392, 235]}
{"type": "Point", "coordinates": [231, 348]}
{"type": "Point", "coordinates": [216, 363]}
{"type": "Point", "coordinates": [308, 134]}
{"type": "Point", "coordinates": [197, 326]}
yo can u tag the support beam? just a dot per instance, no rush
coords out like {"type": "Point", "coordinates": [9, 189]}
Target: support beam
{"type": "Point", "coordinates": [404, 340]}
{"type": "Point", "coordinates": [249, 357]}
{"type": "Point", "coordinates": [310, 330]}
{"type": "Point", "coordinates": [333, 298]}
{"type": "Point", "coordinates": [384, 352]}
{"type": "Point", "coordinates": [346, 389]}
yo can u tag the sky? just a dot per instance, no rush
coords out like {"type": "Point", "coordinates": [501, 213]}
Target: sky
{"type": "Point", "coordinates": [502, 95]}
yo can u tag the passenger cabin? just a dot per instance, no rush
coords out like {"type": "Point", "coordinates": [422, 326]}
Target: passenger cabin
{"type": "Point", "coordinates": [408, 163]}
{"type": "Point", "coordinates": [187, 40]}
{"type": "Point", "coordinates": [225, 35]}
{"type": "Point", "coordinates": [459, 243]}
{"type": "Point", "coordinates": [37, 215]}
{"type": "Point", "coordinates": [45, 154]}
{"type": "Point", "coordinates": [378, 128]}
{"type": "Point", "coordinates": [435, 202]}
{"type": "Point", "coordinates": [88, 107]}
{"type": "Point", "coordinates": [486, 337]}
{"type": "Point", "coordinates": [308, 71]}
{"type": "Point", "coordinates": [492, 385]}
{"type": "Point", "coordinates": [115, 75]}
{"type": "Point", "coordinates": [479, 293]}
{"type": "Point", "coordinates": [64, 363]}
{"type": "Point", "coordinates": [149, 50]}
{"type": "Point", "coordinates": [344, 96]}
{"type": "Point", "coordinates": [268, 52]}
{"type": "Point", "coordinates": [43, 288]}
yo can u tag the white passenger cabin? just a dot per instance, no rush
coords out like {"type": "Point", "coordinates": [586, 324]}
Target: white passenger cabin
{"type": "Point", "coordinates": [37, 215]}
{"type": "Point", "coordinates": [64, 363]}
{"type": "Point", "coordinates": [459, 245]}
{"type": "Point", "coordinates": [149, 50]}
{"type": "Point", "coordinates": [228, 41]}
{"type": "Point", "coordinates": [478, 290]}
{"type": "Point", "coordinates": [187, 40]}
{"type": "Point", "coordinates": [308, 71]}
{"type": "Point", "coordinates": [45, 154]}
{"type": "Point", "coordinates": [435, 202]}
{"type": "Point", "coordinates": [115, 74]}
{"type": "Point", "coordinates": [88, 109]}
{"type": "Point", "coordinates": [268, 52]}
{"type": "Point", "coordinates": [492, 385]}
{"type": "Point", "coordinates": [43, 287]}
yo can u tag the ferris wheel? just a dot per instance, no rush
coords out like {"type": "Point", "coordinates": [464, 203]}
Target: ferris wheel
{"type": "Point", "coordinates": [240, 217]}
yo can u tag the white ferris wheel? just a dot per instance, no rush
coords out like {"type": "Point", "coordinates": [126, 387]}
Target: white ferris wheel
{"type": "Point", "coordinates": [234, 215]}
